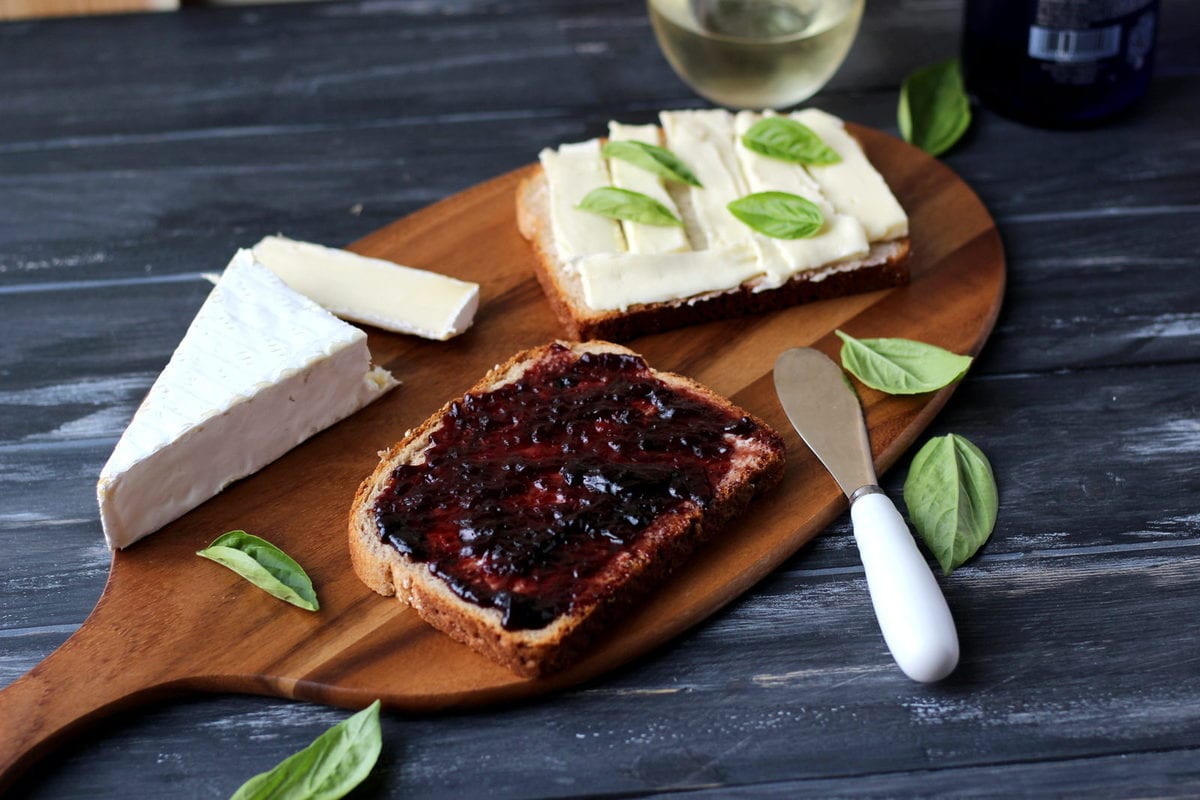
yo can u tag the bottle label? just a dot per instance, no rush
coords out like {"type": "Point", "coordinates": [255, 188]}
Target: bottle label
{"type": "Point", "coordinates": [1072, 45]}
{"type": "Point", "coordinates": [1080, 42]}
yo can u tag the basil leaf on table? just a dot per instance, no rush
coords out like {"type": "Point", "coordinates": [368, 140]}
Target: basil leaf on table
{"type": "Point", "coordinates": [264, 565]}
{"type": "Point", "coordinates": [901, 366]}
{"type": "Point", "coordinates": [652, 158]}
{"type": "Point", "coordinates": [337, 761]}
{"type": "Point", "coordinates": [779, 215]}
{"type": "Point", "coordinates": [788, 140]}
{"type": "Point", "coordinates": [934, 110]}
{"type": "Point", "coordinates": [951, 497]}
{"type": "Point", "coordinates": [627, 205]}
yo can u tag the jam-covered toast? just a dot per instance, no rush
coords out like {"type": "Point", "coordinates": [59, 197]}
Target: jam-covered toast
{"type": "Point", "coordinates": [524, 516]}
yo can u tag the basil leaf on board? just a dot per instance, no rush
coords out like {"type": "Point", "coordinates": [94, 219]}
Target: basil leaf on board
{"type": "Point", "coordinates": [901, 366]}
{"type": "Point", "coordinates": [779, 215]}
{"type": "Point", "coordinates": [952, 501]}
{"type": "Point", "coordinates": [264, 565]}
{"type": "Point", "coordinates": [788, 140]}
{"type": "Point", "coordinates": [632, 206]}
{"type": "Point", "coordinates": [337, 761]}
{"type": "Point", "coordinates": [652, 158]}
{"type": "Point", "coordinates": [934, 110]}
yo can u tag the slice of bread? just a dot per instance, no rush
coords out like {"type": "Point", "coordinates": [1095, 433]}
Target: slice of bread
{"type": "Point", "coordinates": [627, 566]}
{"type": "Point", "coordinates": [884, 266]}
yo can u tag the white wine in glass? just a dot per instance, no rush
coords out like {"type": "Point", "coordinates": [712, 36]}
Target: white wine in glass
{"type": "Point", "coordinates": [755, 53]}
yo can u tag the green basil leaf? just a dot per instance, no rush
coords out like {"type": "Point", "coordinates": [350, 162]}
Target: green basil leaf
{"type": "Point", "coordinates": [934, 111]}
{"type": "Point", "coordinates": [633, 206]}
{"type": "Point", "coordinates": [652, 158]}
{"type": "Point", "coordinates": [264, 565]}
{"type": "Point", "coordinates": [952, 500]}
{"type": "Point", "coordinates": [337, 761]}
{"type": "Point", "coordinates": [779, 215]}
{"type": "Point", "coordinates": [787, 140]}
{"type": "Point", "coordinates": [901, 366]}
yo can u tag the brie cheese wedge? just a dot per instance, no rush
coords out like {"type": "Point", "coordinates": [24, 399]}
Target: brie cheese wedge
{"type": "Point", "coordinates": [853, 185]}
{"type": "Point", "coordinates": [640, 237]}
{"type": "Point", "coordinates": [261, 369]}
{"type": "Point", "coordinates": [373, 291]}
{"type": "Point", "coordinates": [704, 140]}
{"type": "Point", "coordinates": [572, 171]}
{"type": "Point", "coordinates": [841, 237]}
{"type": "Point", "coordinates": [616, 281]}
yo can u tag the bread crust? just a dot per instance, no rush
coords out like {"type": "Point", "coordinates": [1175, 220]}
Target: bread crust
{"type": "Point", "coordinates": [885, 266]}
{"type": "Point", "coordinates": [631, 574]}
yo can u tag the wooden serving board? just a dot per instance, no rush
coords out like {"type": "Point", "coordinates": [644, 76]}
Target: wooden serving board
{"type": "Point", "coordinates": [169, 621]}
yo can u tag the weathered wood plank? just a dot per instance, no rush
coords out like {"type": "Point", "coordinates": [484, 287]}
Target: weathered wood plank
{"type": "Point", "coordinates": [1055, 666]}
{"type": "Point", "coordinates": [252, 152]}
{"type": "Point", "coordinates": [1138, 307]}
{"type": "Point", "coordinates": [481, 53]}
{"type": "Point", "coordinates": [1074, 621]}
{"type": "Point", "coordinates": [170, 206]}
{"type": "Point", "coordinates": [1170, 773]}
{"type": "Point", "coordinates": [1041, 432]}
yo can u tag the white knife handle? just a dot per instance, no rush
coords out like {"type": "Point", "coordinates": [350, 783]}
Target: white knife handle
{"type": "Point", "coordinates": [909, 605]}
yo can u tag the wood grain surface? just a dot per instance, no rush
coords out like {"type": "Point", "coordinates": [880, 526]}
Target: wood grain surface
{"type": "Point", "coordinates": [21, 9]}
{"type": "Point", "coordinates": [121, 185]}
{"type": "Point", "coordinates": [168, 621]}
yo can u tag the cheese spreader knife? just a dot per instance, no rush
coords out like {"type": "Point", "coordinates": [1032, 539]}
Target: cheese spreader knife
{"type": "Point", "coordinates": [911, 610]}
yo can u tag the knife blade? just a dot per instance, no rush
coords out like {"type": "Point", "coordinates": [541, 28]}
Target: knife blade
{"type": "Point", "coordinates": [824, 411]}
{"type": "Point", "coordinates": [909, 605]}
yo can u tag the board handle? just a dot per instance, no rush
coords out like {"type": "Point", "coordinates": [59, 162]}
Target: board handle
{"type": "Point", "coordinates": [99, 669]}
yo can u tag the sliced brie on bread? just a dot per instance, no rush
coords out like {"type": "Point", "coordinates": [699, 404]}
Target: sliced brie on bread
{"type": "Point", "coordinates": [722, 267]}
{"type": "Point", "coordinates": [261, 369]}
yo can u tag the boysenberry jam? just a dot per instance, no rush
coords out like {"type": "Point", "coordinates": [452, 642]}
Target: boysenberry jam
{"type": "Point", "coordinates": [529, 490]}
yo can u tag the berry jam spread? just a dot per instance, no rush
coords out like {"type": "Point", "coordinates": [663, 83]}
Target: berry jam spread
{"type": "Point", "coordinates": [530, 489]}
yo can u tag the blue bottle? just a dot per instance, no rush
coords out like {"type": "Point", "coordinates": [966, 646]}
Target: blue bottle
{"type": "Point", "coordinates": [1059, 63]}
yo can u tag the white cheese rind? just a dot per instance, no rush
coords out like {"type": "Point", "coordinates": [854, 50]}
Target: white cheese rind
{"type": "Point", "coordinates": [261, 369]}
{"type": "Point", "coordinates": [616, 281]}
{"type": "Point", "coordinates": [373, 291]}
{"type": "Point", "coordinates": [704, 140]}
{"type": "Point", "coordinates": [642, 238]}
{"type": "Point", "coordinates": [853, 186]}
{"type": "Point", "coordinates": [571, 172]}
{"type": "Point", "coordinates": [841, 238]}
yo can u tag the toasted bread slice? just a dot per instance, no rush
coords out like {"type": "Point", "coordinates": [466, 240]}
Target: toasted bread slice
{"type": "Point", "coordinates": [483, 571]}
{"type": "Point", "coordinates": [884, 266]}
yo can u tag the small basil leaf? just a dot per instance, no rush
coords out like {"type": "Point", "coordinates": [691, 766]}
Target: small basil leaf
{"type": "Point", "coordinates": [788, 140]}
{"type": "Point", "coordinates": [952, 500]}
{"type": "Point", "coordinates": [652, 158]}
{"type": "Point", "coordinates": [779, 215]}
{"type": "Point", "coordinates": [901, 366]}
{"type": "Point", "coordinates": [934, 110]}
{"type": "Point", "coordinates": [264, 565]}
{"type": "Point", "coordinates": [337, 761]}
{"type": "Point", "coordinates": [632, 206]}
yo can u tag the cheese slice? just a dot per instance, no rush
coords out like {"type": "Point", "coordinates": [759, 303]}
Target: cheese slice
{"type": "Point", "coordinates": [571, 172]}
{"type": "Point", "coordinates": [704, 140]}
{"type": "Point", "coordinates": [841, 237]}
{"type": "Point", "coordinates": [853, 186]}
{"type": "Point", "coordinates": [261, 369]}
{"type": "Point", "coordinates": [616, 281]}
{"type": "Point", "coordinates": [373, 291]}
{"type": "Point", "coordinates": [640, 237]}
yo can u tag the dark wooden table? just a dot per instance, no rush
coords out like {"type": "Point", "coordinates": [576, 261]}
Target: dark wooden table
{"type": "Point", "coordinates": [137, 152]}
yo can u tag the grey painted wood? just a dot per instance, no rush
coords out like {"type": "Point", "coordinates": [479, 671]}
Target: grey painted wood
{"type": "Point", "coordinates": [818, 699]}
{"type": "Point", "coordinates": [120, 183]}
